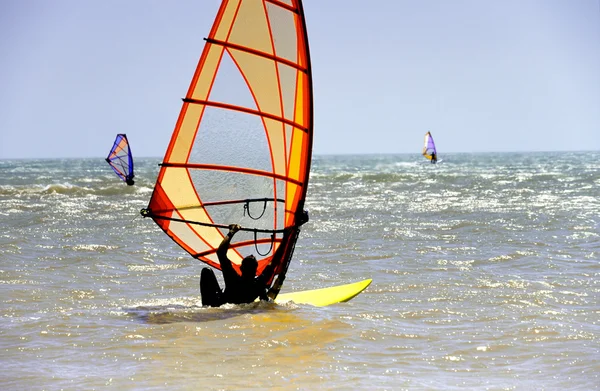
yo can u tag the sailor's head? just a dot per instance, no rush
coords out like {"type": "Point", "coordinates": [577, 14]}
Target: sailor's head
{"type": "Point", "coordinates": [249, 266]}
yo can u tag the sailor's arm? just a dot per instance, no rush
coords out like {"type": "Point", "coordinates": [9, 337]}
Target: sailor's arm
{"type": "Point", "coordinates": [224, 247]}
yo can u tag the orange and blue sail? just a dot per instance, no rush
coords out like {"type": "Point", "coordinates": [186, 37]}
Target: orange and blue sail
{"type": "Point", "coordinates": [429, 150]}
{"type": "Point", "coordinates": [120, 159]}
{"type": "Point", "coordinates": [241, 149]}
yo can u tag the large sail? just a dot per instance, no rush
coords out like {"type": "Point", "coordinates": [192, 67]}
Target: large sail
{"type": "Point", "coordinates": [429, 150]}
{"type": "Point", "coordinates": [119, 158]}
{"type": "Point", "coordinates": [241, 149]}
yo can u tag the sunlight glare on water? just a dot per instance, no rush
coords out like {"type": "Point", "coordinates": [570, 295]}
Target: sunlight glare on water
{"type": "Point", "coordinates": [485, 276]}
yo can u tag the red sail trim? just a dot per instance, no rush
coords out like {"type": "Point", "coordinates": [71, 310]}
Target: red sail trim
{"type": "Point", "coordinates": [282, 111]}
{"type": "Point", "coordinates": [200, 166]}
{"type": "Point", "coordinates": [304, 55]}
{"type": "Point", "coordinates": [205, 51]}
{"type": "Point", "coordinates": [160, 205]}
{"type": "Point", "coordinates": [309, 86]}
{"type": "Point", "coordinates": [194, 81]}
{"type": "Point", "coordinates": [245, 49]}
{"type": "Point", "coordinates": [245, 110]}
{"type": "Point", "coordinates": [161, 209]}
{"type": "Point", "coordinates": [283, 5]}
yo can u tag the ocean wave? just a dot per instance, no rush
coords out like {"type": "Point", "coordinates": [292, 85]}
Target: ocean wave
{"type": "Point", "coordinates": [11, 191]}
{"type": "Point", "coordinates": [94, 247]}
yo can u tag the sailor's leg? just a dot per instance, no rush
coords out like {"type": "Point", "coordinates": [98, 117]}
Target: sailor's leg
{"type": "Point", "coordinates": [210, 289]}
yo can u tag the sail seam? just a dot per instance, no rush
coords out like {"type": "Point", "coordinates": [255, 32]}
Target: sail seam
{"type": "Point", "coordinates": [232, 169]}
{"type": "Point", "coordinates": [256, 52]}
{"type": "Point", "coordinates": [245, 110]}
{"type": "Point", "coordinates": [283, 5]}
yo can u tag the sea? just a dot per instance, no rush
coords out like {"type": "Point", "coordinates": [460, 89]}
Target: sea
{"type": "Point", "coordinates": [485, 269]}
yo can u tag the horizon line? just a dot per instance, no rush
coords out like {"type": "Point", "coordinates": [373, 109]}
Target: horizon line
{"type": "Point", "coordinates": [326, 154]}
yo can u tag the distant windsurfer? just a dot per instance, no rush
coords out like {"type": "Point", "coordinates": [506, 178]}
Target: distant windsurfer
{"type": "Point", "coordinates": [238, 289]}
{"type": "Point", "coordinates": [129, 180]}
{"type": "Point", "coordinates": [433, 158]}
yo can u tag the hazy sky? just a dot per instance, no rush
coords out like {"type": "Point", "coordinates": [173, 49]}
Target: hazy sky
{"type": "Point", "coordinates": [481, 75]}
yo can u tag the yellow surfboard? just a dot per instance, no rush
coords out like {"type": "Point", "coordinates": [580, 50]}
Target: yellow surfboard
{"type": "Point", "coordinates": [325, 296]}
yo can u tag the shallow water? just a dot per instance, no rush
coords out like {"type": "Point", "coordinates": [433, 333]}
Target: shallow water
{"type": "Point", "coordinates": [485, 273]}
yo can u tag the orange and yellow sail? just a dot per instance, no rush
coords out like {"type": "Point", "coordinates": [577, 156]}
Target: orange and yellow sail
{"type": "Point", "coordinates": [241, 149]}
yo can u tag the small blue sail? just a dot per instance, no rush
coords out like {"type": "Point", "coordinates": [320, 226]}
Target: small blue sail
{"type": "Point", "coordinates": [120, 159]}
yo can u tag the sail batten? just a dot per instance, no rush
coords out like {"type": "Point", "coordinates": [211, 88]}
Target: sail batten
{"type": "Point", "coordinates": [234, 169]}
{"type": "Point", "coordinates": [245, 110]}
{"type": "Point", "coordinates": [281, 4]}
{"type": "Point", "coordinates": [229, 45]}
{"type": "Point", "coordinates": [244, 134]}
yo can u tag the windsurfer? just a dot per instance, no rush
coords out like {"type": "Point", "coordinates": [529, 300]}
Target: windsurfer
{"type": "Point", "coordinates": [433, 158]}
{"type": "Point", "coordinates": [238, 289]}
{"type": "Point", "coordinates": [129, 180]}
